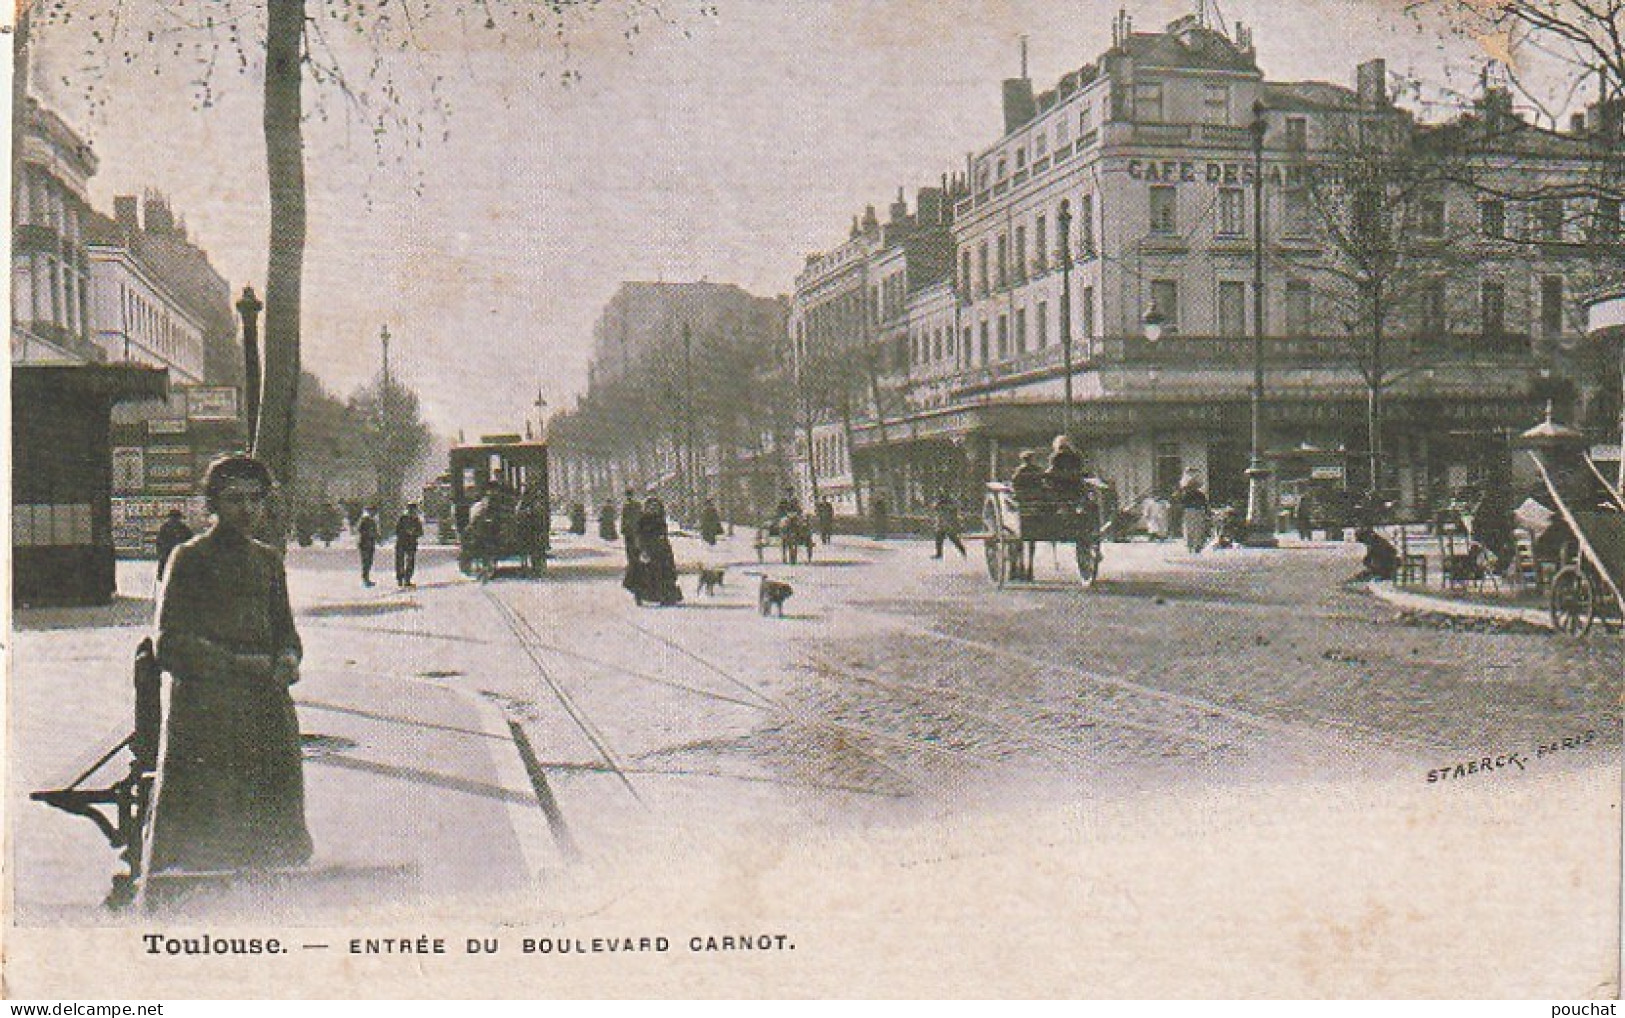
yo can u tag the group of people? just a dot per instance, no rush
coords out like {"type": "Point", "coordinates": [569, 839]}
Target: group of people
{"type": "Point", "coordinates": [651, 568]}
{"type": "Point", "coordinates": [408, 532]}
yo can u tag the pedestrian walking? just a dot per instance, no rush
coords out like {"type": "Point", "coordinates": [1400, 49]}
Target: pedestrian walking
{"type": "Point", "coordinates": [1193, 503]}
{"type": "Point", "coordinates": [631, 512]}
{"type": "Point", "coordinates": [654, 580]}
{"type": "Point", "coordinates": [947, 524]}
{"type": "Point", "coordinates": [880, 513]}
{"type": "Point", "coordinates": [229, 793]}
{"type": "Point", "coordinates": [1303, 514]}
{"type": "Point", "coordinates": [408, 531]}
{"type": "Point", "coordinates": [606, 522]}
{"type": "Point", "coordinates": [366, 530]}
{"type": "Point", "coordinates": [171, 535]}
{"type": "Point", "coordinates": [710, 523]}
{"type": "Point", "coordinates": [825, 510]}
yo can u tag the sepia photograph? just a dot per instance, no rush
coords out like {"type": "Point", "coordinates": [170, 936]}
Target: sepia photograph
{"type": "Point", "coordinates": [815, 499]}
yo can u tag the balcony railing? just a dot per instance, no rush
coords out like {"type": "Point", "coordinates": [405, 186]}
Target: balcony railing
{"type": "Point", "coordinates": [1225, 136]}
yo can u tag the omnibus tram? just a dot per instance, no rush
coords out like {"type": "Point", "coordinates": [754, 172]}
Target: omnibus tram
{"type": "Point", "coordinates": [500, 504]}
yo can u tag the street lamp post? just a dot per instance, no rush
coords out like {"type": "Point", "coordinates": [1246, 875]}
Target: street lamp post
{"type": "Point", "coordinates": [1063, 229]}
{"type": "Point", "coordinates": [1260, 528]}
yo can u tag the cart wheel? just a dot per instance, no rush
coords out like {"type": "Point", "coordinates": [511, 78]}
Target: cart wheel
{"type": "Point", "coordinates": [1088, 555]}
{"type": "Point", "coordinates": [998, 561]}
{"type": "Point", "coordinates": [1574, 601]}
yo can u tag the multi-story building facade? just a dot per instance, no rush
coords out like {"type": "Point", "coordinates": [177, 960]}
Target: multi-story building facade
{"type": "Point", "coordinates": [157, 301]}
{"type": "Point", "coordinates": [1148, 154]}
{"type": "Point", "coordinates": [50, 271]}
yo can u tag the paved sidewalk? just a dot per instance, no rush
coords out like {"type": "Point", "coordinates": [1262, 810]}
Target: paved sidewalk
{"type": "Point", "coordinates": [414, 784]}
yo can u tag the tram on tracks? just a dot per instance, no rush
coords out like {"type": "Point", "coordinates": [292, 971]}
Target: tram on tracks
{"type": "Point", "coordinates": [499, 501]}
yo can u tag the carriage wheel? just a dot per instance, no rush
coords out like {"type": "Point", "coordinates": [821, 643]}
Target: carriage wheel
{"type": "Point", "coordinates": [1574, 601]}
{"type": "Point", "coordinates": [1088, 555]}
{"type": "Point", "coordinates": [998, 560]}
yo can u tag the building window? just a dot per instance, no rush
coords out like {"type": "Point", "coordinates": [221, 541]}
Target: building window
{"type": "Point", "coordinates": [1551, 305]}
{"type": "Point", "coordinates": [981, 257]}
{"type": "Point", "coordinates": [1605, 221]}
{"type": "Point", "coordinates": [1088, 296]}
{"type": "Point", "coordinates": [1492, 305]}
{"type": "Point", "coordinates": [1164, 209]}
{"type": "Point", "coordinates": [1430, 217]}
{"type": "Point", "coordinates": [967, 352]}
{"type": "Point", "coordinates": [984, 350]}
{"type": "Point", "coordinates": [1040, 244]}
{"type": "Point", "coordinates": [1148, 101]}
{"type": "Point", "coordinates": [1004, 261]}
{"type": "Point", "coordinates": [1004, 169]}
{"type": "Point", "coordinates": [1021, 159]}
{"type": "Point", "coordinates": [1021, 254]}
{"type": "Point", "coordinates": [1004, 336]}
{"type": "Point", "coordinates": [1298, 218]}
{"type": "Point", "coordinates": [1299, 310]}
{"type": "Point", "coordinates": [1021, 330]}
{"type": "Point", "coordinates": [1492, 218]}
{"type": "Point", "coordinates": [1550, 214]}
{"type": "Point", "coordinates": [1043, 324]}
{"type": "Point", "coordinates": [964, 273]}
{"type": "Point", "coordinates": [1165, 295]}
{"type": "Point", "coordinates": [1086, 226]}
{"type": "Point", "coordinates": [1232, 309]}
{"type": "Point", "coordinates": [1062, 134]}
{"type": "Point", "coordinates": [1215, 103]}
{"type": "Point", "coordinates": [1040, 144]}
{"type": "Point", "coordinates": [1168, 468]}
{"type": "Point", "coordinates": [1086, 120]}
{"type": "Point", "coordinates": [1432, 296]}
{"type": "Point", "coordinates": [1232, 212]}
{"type": "Point", "coordinates": [1297, 133]}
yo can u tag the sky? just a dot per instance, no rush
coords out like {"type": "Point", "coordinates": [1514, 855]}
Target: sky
{"type": "Point", "coordinates": [722, 140]}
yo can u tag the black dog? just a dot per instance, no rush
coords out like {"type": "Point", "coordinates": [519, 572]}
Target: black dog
{"type": "Point", "coordinates": [710, 580]}
{"type": "Point", "coordinates": [772, 594]}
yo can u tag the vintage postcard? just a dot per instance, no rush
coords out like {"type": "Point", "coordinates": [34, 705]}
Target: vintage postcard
{"type": "Point", "coordinates": [825, 498]}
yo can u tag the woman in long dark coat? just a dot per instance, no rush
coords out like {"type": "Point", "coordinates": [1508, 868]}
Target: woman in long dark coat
{"type": "Point", "coordinates": [658, 565]}
{"type": "Point", "coordinates": [230, 789]}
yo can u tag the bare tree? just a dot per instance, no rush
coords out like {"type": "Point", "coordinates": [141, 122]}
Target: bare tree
{"type": "Point", "coordinates": [199, 37]}
{"type": "Point", "coordinates": [1376, 200]}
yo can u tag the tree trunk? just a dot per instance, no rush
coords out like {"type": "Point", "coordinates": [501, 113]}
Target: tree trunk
{"type": "Point", "coordinates": [1373, 405]}
{"type": "Point", "coordinates": [285, 171]}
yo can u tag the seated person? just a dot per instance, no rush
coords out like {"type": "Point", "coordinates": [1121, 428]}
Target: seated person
{"type": "Point", "coordinates": [1381, 560]}
{"type": "Point", "coordinates": [1065, 474]}
{"type": "Point", "coordinates": [1028, 484]}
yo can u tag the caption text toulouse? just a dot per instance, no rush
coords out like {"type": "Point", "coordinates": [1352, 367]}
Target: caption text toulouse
{"type": "Point", "coordinates": [158, 943]}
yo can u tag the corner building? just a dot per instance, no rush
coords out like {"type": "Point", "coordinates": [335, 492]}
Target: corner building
{"type": "Point", "coordinates": [1151, 150]}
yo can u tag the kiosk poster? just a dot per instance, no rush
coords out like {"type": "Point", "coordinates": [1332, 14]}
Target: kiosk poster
{"type": "Point", "coordinates": [864, 498]}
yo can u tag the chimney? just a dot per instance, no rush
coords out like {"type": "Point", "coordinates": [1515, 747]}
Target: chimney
{"type": "Point", "coordinates": [870, 221]}
{"type": "Point", "coordinates": [899, 209]}
{"type": "Point", "coordinates": [929, 206]}
{"type": "Point", "coordinates": [1019, 104]}
{"type": "Point", "coordinates": [127, 212]}
{"type": "Point", "coordinates": [1371, 82]}
{"type": "Point", "coordinates": [158, 216]}
{"type": "Point", "coordinates": [1605, 118]}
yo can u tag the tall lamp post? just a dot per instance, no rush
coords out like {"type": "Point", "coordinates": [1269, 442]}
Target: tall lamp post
{"type": "Point", "coordinates": [1260, 528]}
{"type": "Point", "coordinates": [1063, 229]}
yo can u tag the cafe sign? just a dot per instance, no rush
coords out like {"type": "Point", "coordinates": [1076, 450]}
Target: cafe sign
{"type": "Point", "coordinates": [1186, 171]}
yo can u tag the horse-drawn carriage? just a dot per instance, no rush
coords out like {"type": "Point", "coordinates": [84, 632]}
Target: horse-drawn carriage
{"type": "Point", "coordinates": [792, 532]}
{"type": "Point", "coordinates": [1014, 526]}
{"type": "Point", "coordinates": [1589, 534]}
{"type": "Point", "coordinates": [500, 500]}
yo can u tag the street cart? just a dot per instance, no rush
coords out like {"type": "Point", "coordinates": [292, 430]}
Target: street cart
{"type": "Point", "coordinates": [1590, 539]}
{"type": "Point", "coordinates": [1012, 530]}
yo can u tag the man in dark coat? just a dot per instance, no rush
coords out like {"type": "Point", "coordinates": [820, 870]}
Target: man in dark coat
{"type": "Point", "coordinates": [408, 530]}
{"type": "Point", "coordinates": [366, 530]}
{"type": "Point", "coordinates": [230, 788]}
{"type": "Point", "coordinates": [606, 522]}
{"type": "Point", "coordinates": [710, 522]}
{"type": "Point", "coordinates": [171, 535]}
